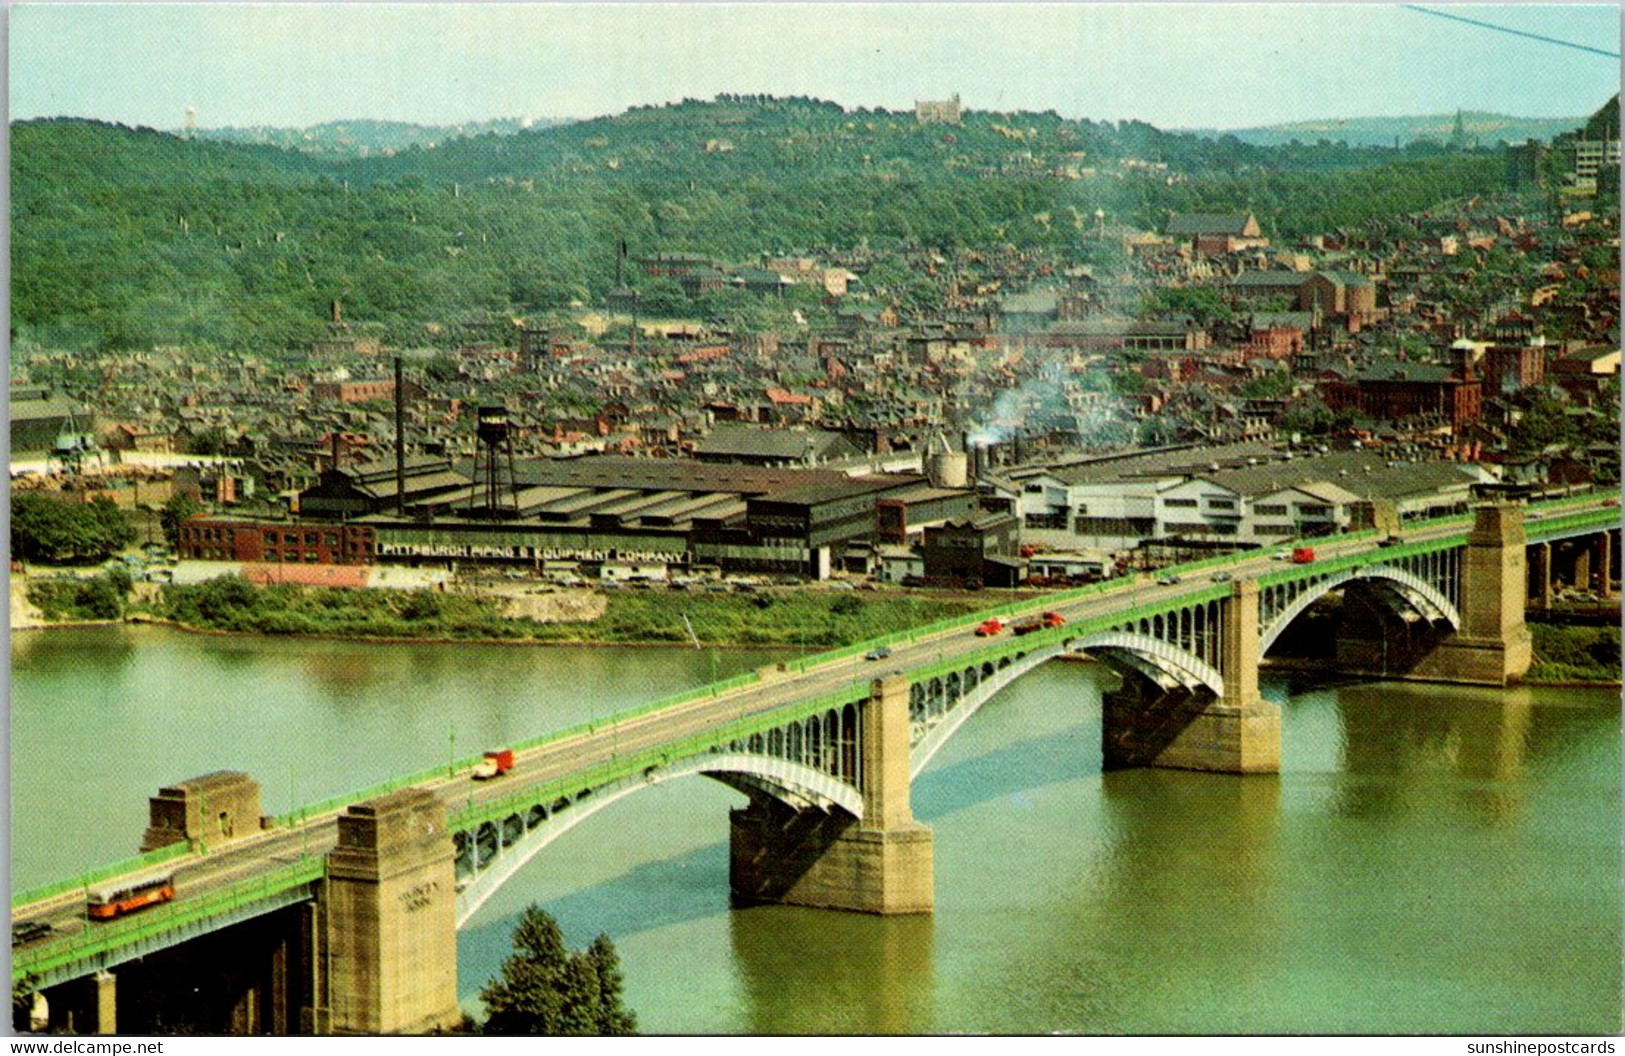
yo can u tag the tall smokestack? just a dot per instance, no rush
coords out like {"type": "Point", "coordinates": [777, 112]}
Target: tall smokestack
{"type": "Point", "coordinates": [400, 442]}
{"type": "Point", "coordinates": [338, 311]}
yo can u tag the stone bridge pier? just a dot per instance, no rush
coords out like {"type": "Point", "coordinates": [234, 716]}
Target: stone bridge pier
{"type": "Point", "coordinates": [880, 863]}
{"type": "Point", "coordinates": [1492, 646]}
{"type": "Point", "coordinates": [1144, 724]}
{"type": "Point", "coordinates": [387, 921]}
{"type": "Point", "coordinates": [373, 952]}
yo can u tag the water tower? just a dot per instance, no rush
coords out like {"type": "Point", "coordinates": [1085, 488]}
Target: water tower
{"type": "Point", "coordinates": [494, 454]}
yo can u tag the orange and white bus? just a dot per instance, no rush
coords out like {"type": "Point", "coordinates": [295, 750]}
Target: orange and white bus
{"type": "Point", "coordinates": [128, 896]}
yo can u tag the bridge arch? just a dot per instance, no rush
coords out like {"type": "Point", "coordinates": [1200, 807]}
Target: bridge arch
{"type": "Point", "coordinates": [1417, 593]}
{"type": "Point", "coordinates": [1162, 660]}
{"type": "Point", "coordinates": [501, 848]}
{"type": "Point", "coordinates": [1165, 663]}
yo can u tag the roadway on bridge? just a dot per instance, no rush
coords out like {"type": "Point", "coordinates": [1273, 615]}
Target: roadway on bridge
{"type": "Point", "coordinates": [268, 851]}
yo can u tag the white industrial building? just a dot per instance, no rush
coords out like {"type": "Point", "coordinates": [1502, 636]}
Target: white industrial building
{"type": "Point", "coordinates": [1243, 495]}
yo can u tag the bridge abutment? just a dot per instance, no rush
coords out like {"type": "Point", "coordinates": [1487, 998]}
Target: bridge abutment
{"type": "Point", "coordinates": [1493, 645]}
{"type": "Point", "coordinates": [390, 949]}
{"type": "Point", "coordinates": [1183, 729]}
{"type": "Point", "coordinates": [881, 863]}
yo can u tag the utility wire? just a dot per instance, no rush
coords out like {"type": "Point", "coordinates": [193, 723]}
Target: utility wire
{"type": "Point", "coordinates": [1514, 32]}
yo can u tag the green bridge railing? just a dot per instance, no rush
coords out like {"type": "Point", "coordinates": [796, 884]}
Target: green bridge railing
{"type": "Point", "coordinates": [474, 815]}
{"type": "Point", "coordinates": [1549, 526]}
{"type": "Point", "coordinates": [95, 939]}
{"type": "Point", "coordinates": [96, 876]}
{"type": "Point", "coordinates": [1322, 566]}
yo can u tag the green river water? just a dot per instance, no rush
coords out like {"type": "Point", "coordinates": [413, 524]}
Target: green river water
{"type": "Point", "coordinates": [1430, 860]}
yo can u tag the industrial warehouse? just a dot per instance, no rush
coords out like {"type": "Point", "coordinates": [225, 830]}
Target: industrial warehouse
{"type": "Point", "coordinates": [970, 519]}
{"type": "Point", "coordinates": [607, 517]}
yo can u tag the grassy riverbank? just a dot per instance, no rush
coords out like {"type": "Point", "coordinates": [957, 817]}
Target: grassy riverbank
{"type": "Point", "coordinates": [814, 618]}
{"type": "Point", "coordinates": [792, 617]}
{"type": "Point", "coordinates": [71, 600]}
{"type": "Point", "coordinates": [1571, 654]}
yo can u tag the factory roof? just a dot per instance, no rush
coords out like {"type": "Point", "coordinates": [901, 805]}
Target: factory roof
{"type": "Point", "coordinates": [667, 474]}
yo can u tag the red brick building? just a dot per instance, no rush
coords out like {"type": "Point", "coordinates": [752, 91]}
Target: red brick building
{"type": "Point", "coordinates": [358, 390]}
{"type": "Point", "coordinates": [204, 538]}
{"type": "Point", "coordinates": [1215, 234]}
{"type": "Point", "coordinates": [1398, 392]}
{"type": "Point", "coordinates": [1274, 342]}
{"type": "Point", "coordinates": [1339, 293]}
{"type": "Point", "coordinates": [1511, 368]}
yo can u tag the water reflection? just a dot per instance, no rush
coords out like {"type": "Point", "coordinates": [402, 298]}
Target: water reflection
{"type": "Point", "coordinates": [1023, 766]}
{"type": "Point", "coordinates": [59, 651]}
{"type": "Point", "coordinates": [346, 679]}
{"type": "Point", "coordinates": [1413, 736]}
{"type": "Point", "coordinates": [808, 971]}
{"type": "Point", "coordinates": [1195, 857]}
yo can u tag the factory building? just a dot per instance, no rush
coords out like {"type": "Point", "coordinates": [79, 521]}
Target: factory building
{"type": "Point", "coordinates": [603, 515]}
{"type": "Point", "coordinates": [344, 492]}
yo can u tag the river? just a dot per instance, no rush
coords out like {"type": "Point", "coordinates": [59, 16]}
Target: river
{"type": "Point", "coordinates": [1431, 859]}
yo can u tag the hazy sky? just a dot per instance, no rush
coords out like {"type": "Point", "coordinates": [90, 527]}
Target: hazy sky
{"type": "Point", "coordinates": [1215, 65]}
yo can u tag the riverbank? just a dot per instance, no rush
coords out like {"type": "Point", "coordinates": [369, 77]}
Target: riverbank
{"type": "Point", "coordinates": [1574, 655]}
{"type": "Point", "coordinates": [803, 617]}
{"type": "Point", "coordinates": [808, 617]}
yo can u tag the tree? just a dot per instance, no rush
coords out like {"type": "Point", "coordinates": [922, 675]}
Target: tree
{"type": "Point", "coordinates": [663, 296]}
{"type": "Point", "coordinates": [614, 1016]}
{"type": "Point", "coordinates": [39, 526]}
{"type": "Point", "coordinates": [1309, 417]}
{"type": "Point", "coordinates": [110, 530]}
{"type": "Point", "coordinates": [545, 989]}
{"type": "Point", "coordinates": [1544, 424]}
{"type": "Point", "coordinates": [46, 529]}
{"type": "Point", "coordinates": [1276, 385]}
{"type": "Point", "coordinates": [179, 506]}
{"type": "Point", "coordinates": [211, 441]}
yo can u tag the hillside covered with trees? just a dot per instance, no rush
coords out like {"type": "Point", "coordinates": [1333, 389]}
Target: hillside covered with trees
{"type": "Point", "coordinates": [364, 137]}
{"type": "Point", "coordinates": [130, 238]}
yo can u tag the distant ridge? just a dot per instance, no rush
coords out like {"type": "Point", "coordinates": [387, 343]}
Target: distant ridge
{"type": "Point", "coordinates": [130, 238]}
{"type": "Point", "coordinates": [1486, 128]}
{"type": "Point", "coordinates": [360, 137]}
